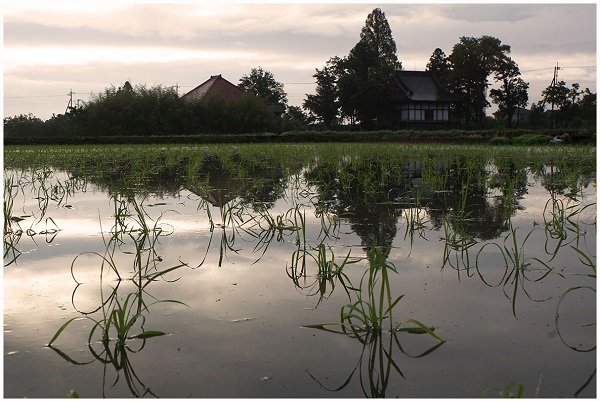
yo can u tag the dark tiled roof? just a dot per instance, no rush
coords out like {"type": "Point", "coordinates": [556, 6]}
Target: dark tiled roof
{"type": "Point", "coordinates": [420, 86]}
{"type": "Point", "coordinates": [215, 86]}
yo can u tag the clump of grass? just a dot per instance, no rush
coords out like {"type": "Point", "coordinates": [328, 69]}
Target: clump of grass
{"type": "Point", "coordinates": [117, 315]}
{"type": "Point", "coordinates": [375, 303]}
{"type": "Point", "coordinates": [499, 141]}
{"type": "Point", "coordinates": [531, 139]}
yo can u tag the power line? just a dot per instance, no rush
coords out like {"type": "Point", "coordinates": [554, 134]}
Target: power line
{"type": "Point", "coordinates": [34, 96]}
{"type": "Point", "coordinates": [46, 96]}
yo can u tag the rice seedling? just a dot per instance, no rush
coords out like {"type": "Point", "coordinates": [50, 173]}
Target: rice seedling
{"type": "Point", "coordinates": [576, 346]}
{"type": "Point", "coordinates": [416, 222]}
{"type": "Point", "coordinates": [457, 241]}
{"type": "Point", "coordinates": [516, 265]}
{"type": "Point", "coordinates": [116, 357]}
{"type": "Point", "coordinates": [263, 227]}
{"type": "Point", "coordinates": [561, 221]}
{"type": "Point", "coordinates": [364, 320]}
{"type": "Point", "coordinates": [116, 316]}
{"type": "Point", "coordinates": [370, 311]}
{"type": "Point", "coordinates": [12, 230]}
{"type": "Point", "coordinates": [329, 272]}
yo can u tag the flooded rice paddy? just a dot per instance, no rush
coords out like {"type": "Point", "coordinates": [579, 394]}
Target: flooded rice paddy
{"type": "Point", "coordinates": [307, 271]}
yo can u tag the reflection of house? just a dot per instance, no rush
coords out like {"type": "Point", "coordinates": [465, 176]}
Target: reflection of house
{"type": "Point", "coordinates": [216, 86]}
{"type": "Point", "coordinates": [418, 98]}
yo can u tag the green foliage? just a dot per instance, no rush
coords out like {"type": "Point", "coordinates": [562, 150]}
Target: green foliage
{"type": "Point", "coordinates": [513, 91]}
{"type": "Point", "coordinates": [499, 141]}
{"type": "Point", "coordinates": [440, 66]}
{"type": "Point", "coordinates": [531, 139]}
{"type": "Point", "coordinates": [23, 125]}
{"type": "Point", "coordinates": [473, 60]}
{"type": "Point", "coordinates": [568, 107]}
{"type": "Point", "coordinates": [366, 73]}
{"type": "Point", "coordinates": [262, 83]}
{"type": "Point", "coordinates": [249, 114]}
{"type": "Point", "coordinates": [132, 111]}
{"type": "Point", "coordinates": [324, 105]}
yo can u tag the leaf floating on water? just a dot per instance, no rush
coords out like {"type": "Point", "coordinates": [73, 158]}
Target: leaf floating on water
{"type": "Point", "coordinates": [148, 334]}
{"type": "Point", "coordinates": [243, 319]}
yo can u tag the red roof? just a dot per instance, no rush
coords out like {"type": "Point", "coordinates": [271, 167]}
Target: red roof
{"type": "Point", "coordinates": [215, 86]}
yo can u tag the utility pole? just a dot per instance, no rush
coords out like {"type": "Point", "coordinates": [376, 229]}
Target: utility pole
{"type": "Point", "coordinates": [70, 104]}
{"type": "Point", "coordinates": [554, 83]}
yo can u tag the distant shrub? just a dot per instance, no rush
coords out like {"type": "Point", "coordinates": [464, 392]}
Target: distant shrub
{"type": "Point", "coordinates": [531, 139]}
{"type": "Point", "coordinates": [499, 141]}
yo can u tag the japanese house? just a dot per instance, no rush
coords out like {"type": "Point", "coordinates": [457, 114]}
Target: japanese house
{"type": "Point", "coordinates": [418, 99]}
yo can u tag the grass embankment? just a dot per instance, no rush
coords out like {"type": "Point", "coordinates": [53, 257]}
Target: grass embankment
{"type": "Point", "coordinates": [496, 137]}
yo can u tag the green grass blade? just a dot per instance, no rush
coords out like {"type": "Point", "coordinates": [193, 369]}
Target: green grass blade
{"type": "Point", "coordinates": [61, 329]}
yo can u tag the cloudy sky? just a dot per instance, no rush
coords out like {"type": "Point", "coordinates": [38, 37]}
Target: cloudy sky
{"type": "Point", "coordinates": [53, 47]}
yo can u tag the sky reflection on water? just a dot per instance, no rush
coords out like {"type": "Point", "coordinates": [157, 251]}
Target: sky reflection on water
{"type": "Point", "coordinates": [241, 331]}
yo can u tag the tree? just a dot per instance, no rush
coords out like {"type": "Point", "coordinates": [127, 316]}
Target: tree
{"type": "Point", "coordinates": [569, 104]}
{"type": "Point", "coordinates": [294, 118]}
{"type": "Point", "coordinates": [513, 91]}
{"type": "Point", "coordinates": [128, 110]}
{"type": "Point", "coordinates": [366, 73]}
{"type": "Point", "coordinates": [263, 84]}
{"type": "Point", "coordinates": [473, 60]}
{"type": "Point", "coordinates": [557, 95]}
{"type": "Point", "coordinates": [440, 66]}
{"type": "Point", "coordinates": [325, 105]}
{"type": "Point", "coordinates": [23, 126]}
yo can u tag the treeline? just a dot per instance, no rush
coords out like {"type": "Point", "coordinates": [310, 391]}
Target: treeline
{"type": "Point", "coordinates": [150, 111]}
{"type": "Point", "coordinates": [356, 88]}
{"type": "Point", "coordinates": [352, 93]}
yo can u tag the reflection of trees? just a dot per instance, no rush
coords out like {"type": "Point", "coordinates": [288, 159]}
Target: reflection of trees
{"type": "Point", "coordinates": [464, 200]}
{"type": "Point", "coordinates": [359, 198]}
{"type": "Point", "coordinates": [47, 189]}
{"type": "Point", "coordinates": [569, 179]}
{"type": "Point", "coordinates": [455, 191]}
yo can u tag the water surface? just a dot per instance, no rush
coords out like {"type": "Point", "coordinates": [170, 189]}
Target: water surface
{"type": "Point", "coordinates": [232, 255]}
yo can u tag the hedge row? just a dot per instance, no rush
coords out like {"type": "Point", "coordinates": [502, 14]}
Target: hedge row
{"type": "Point", "coordinates": [451, 136]}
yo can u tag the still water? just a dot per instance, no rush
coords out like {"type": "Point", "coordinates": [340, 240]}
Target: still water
{"type": "Point", "coordinates": [299, 271]}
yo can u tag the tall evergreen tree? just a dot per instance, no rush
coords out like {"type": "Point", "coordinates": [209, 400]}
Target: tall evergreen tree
{"type": "Point", "coordinates": [366, 73]}
{"type": "Point", "coordinates": [439, 65]}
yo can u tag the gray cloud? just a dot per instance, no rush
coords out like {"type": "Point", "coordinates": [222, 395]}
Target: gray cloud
{"type": "Point", "coordinates": [488, 12]}
{"type": "Point", "coordinates": [290, 40]}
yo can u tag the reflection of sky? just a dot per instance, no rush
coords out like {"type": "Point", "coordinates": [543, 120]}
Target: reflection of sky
{"type": "Point", "coordinates": [244, 319]}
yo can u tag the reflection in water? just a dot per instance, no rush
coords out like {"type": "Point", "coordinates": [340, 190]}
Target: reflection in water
{"type": "Point", "coordinates": [376, 364]}
{"type": "Point", "coordinates": [371, 305]}
{"type": "Point", "coordinates": [117, 315]}
{"type": "Point", "coordinates": [467, 202]}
